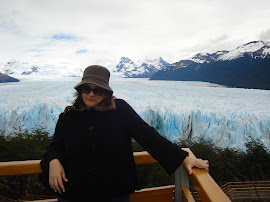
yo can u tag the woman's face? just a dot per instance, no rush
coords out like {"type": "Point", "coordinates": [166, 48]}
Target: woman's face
{"type": "Point", "coordinates": [90, 99]}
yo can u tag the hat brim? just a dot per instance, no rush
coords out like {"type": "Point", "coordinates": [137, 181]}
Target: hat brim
{"type": "Point", "coordinates": [105, 86]}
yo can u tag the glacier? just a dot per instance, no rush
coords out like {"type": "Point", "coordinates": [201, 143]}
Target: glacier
{"type": "Point", "coordinates": [177, 109]}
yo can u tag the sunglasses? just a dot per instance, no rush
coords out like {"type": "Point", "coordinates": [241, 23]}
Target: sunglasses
{"type": "Point", "coordinates": [97, 91]}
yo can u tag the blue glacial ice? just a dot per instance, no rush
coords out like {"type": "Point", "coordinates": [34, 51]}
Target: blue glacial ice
{"type": "Point", "coordinates": [178, 110]}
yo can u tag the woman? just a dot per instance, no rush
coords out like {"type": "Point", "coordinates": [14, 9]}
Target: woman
{"type": "Point", "coordinates": [90, 157]}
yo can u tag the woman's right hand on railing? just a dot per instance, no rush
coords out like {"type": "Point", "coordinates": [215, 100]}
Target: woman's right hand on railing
{"type": "Point", "coordinates": [192, 161]}
{"type": "Point", "coordinates": [56, 174]}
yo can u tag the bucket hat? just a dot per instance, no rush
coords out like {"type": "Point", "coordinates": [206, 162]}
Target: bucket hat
{"type": "Point", "coordinates": [97, 75]}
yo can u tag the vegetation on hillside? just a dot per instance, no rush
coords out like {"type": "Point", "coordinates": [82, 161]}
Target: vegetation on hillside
{"type": "Point", "coordinates": [23, 145]}
{"type": "Point", "coordinates": [225, 164]}
{"type": "Point", "coordinates": [232, 165]}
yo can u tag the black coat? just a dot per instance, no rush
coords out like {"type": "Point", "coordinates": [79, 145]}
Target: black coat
{"type": "Point", "coordinates": [95, 149]}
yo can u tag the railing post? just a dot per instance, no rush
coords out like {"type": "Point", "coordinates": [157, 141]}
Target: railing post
{"type": "Point", "coordinates": [181, 179]}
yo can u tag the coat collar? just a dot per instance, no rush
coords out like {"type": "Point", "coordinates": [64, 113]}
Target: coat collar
{"type": "Point", "coordinates": [102, 107]}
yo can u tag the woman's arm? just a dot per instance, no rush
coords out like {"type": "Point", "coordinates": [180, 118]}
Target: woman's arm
{"type": "Point", "coordinates": [51, 162]}
{"type": "Point", "coordinates": [168, 154]}
{"type": "Point", "coordinates": [56, 174]}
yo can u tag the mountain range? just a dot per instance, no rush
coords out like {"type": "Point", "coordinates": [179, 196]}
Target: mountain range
{"type": "Point", "coordinates": [20, 69]}
{"type": "Point", "coordinates": [247, 66]}
{"type": "Point", "coordinates": [141, 69]}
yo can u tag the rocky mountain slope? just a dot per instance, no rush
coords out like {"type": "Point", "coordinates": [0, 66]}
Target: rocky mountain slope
{"type": "Point", "coordinates": [141, 69]}
{"type": "Point", "coordinates": [247, 66]}
{"type": "Point", "coordinates": [5, 78]}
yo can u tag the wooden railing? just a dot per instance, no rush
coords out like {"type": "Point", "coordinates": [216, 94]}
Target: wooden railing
{"type": "Point", "coordinates": [252, 190]}
{"type": "Point", "coordinates": [207, 188]}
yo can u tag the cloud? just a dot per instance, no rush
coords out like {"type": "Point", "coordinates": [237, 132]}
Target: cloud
{"type": "Point", "coordinates": [265, 35]}
{"type": "Point", "coordinates": [220, 38]}
{"type": "Point", "coordinates": [109, 30]}
{"type": "Point", "coordinates": [34, 50]}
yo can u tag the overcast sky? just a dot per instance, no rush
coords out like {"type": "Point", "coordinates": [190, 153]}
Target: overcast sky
{"type": "Point", "coordinates": [85, 32]}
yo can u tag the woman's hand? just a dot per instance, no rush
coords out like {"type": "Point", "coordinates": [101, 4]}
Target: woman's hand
{"type": "Point", "coordinates": [56, 174]}
{"type": "Point", "coordinates": [191, 161]}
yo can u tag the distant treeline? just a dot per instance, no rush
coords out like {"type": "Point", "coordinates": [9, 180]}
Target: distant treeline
{"type": "Point", "coordinates": [225, 164]}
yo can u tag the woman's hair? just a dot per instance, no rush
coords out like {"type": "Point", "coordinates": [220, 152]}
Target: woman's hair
{"type": "Point", "coordinates": [79, 105]}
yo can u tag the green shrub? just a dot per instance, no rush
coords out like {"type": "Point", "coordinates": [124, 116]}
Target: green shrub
{"type": "Point", "coordinates": [23, 145]}
{"type": "Point", "coordinates": [232, 165]}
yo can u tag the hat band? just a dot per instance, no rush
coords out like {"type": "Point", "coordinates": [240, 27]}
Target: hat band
{"type": "Point", "coordinates": [95, 78]}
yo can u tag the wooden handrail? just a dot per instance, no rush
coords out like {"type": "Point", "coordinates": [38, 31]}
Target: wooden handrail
{"type": "Point", "coordinates": [204, 184]}
{"type": "Point", "coordinates": [245, 183]}
{"type": "Point", "coordinates": [33, 166]}
{"type": "Point", "coordinates": [247, 190]}
{"type": "Point", "coordinates": [206, 187]}
{"type": "Point", "coordinates": [187, 197]}
{"type": "Point", "coordinates": [20, 167]}
{"type": "Point", "coordinates": [160, 194]}
{"type": "Point", "coordinates": [143, 158]}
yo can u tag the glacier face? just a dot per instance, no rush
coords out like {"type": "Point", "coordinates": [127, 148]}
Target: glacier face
{"type": "Point", "coordinates": [177, 109]}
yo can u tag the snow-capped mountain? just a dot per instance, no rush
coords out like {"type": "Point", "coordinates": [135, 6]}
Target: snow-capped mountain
{"type": "Point", "coordinates": [255, 49]}
{"type": "Point", "coordinates": [20, 69]}
{"type": "Point", "coordinates": [198, 58]}
{"type": "Point", "coordinates": [250, 53]}
{"type": "Point", "coordinates": [208, 57]}
{"type": "Point", "coordinates": [246, 66]}
{"type": "Point", "coordinates": [125, 65]}
{"type": "Point", "coordinates": [141, 69]}
{"type": "Point", "coordinates": [125, 68]}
